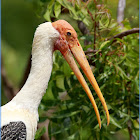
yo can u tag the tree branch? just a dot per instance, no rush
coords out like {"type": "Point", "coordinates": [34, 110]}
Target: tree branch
{"type": "Point", "coordinates": [82, 27]}
{"type": "Point", "coordinates": [90, 51]}
{"type": "Point", "coordinates": [125, 33]}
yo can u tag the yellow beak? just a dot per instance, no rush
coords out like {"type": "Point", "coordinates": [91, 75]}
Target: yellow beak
{"type": "Point", "coordinates": [79, 55]}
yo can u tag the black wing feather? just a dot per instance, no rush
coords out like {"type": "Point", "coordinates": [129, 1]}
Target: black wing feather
{"type": "Point", "coordinates": [14, 131]}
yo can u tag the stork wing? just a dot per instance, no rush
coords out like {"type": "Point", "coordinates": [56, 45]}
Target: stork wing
{"type": "Point", "coordinates": [14, 131]}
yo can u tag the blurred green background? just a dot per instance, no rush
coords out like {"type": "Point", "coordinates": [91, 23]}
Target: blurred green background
{"type": "Point", "coordinates": [19, 21]}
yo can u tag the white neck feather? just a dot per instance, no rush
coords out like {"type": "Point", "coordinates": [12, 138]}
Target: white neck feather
{"type": "Point", "coordinates": [30, 95]}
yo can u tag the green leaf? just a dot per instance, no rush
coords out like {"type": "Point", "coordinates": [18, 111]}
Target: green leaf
{"type": "Point", "coordinates": [121, 72]}
{"type": "Point", "coordinates": [105, 44]}
{"type": "Point", "coordinates": [49, 10]}
{"type": "Point", "coordinates": [114, 122]}
{"type": "Point", "coordinates": [60, 81]}
{"type": "Point", "coordinates": [39, 133]}
{"type": "Point", "coordinates": [66, 84]}
{"type": "Point", "coordinates": [57, 9]}
{"type": "Point", "coordinates": [69, 6]}
{"type": "Point", "coordinates": [133, 53]}
{"type": "Point", "coordinates": [60, 116]}
{"type": "Point", "coordinates": [47, 15]}
{"type": "Point", "coordinates": [49, 94]}
{"type": "Point", "coordinates": [132, 62]}
{"type": "Point", "coordinates": [66, 69]}
{"type": "Point", "coordinates": [73, 136]}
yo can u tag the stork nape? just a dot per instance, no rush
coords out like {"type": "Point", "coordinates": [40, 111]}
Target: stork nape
{"type": "Point", "coordinates": [19, 117]}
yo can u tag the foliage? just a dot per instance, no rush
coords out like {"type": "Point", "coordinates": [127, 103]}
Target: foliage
{"type": "Point", "coordinates": [115, 68]}
{"type": "Point", "coordinates": [114, 64]}
{"type": "Point", "coordinates": [40, 132]}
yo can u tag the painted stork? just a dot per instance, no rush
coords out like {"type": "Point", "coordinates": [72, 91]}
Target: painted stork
{"type": "Point", "coordinates": [19, 117]}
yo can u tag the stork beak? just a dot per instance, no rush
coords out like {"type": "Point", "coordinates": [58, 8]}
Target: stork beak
{"type": "Point", "coordinates": [75, 49]}
{"type": "Point", "coordinates": [79, 55]}
{"type": "Point", "coordinates": [69, 58]}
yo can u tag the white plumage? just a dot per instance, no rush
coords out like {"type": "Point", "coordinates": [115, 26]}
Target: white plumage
{"type": "Point", "coordinates": [24, 106]}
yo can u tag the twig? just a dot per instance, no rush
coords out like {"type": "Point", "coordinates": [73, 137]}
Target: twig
{"type": "Point", "coordinates": [90, 51]}
{"type": "Point", "coordinates": [95, 31]}
{"type": "Point", "coordinates": [125, 33]}
{"type": "Point", "coordinates": [90, 14]}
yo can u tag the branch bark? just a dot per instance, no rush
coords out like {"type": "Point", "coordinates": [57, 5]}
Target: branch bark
{"type": "Point", "coordinates": [82, 27]}
{"type": "Point", "coordinates": [90, 51]}
{"type": "Point", "coordinates": [95, 25]}
{"type": "Point", "coordinates": [125, 33]}
{"type": "Point", "coordinates": [84, 30]}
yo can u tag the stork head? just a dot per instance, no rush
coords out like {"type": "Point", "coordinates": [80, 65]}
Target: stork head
{"type": "Point", "coordinates": [69, 46]}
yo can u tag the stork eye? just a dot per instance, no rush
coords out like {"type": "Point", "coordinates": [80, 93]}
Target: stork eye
{"type": "Point", "coordinates": [69, 33]}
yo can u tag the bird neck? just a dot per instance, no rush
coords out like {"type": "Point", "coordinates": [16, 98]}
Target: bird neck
{"type": "Point", "coordinates": [30, 95]}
